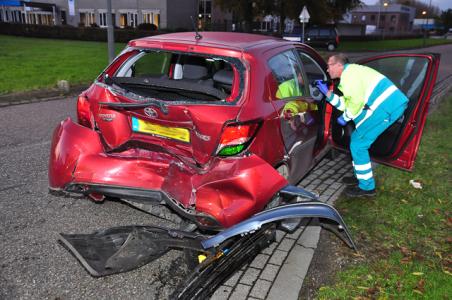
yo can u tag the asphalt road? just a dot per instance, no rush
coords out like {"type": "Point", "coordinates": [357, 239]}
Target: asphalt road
{"type": "Point", "coordinates": [33, 265]}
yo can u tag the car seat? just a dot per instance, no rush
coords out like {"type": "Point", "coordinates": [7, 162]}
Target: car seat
{"type": "Point", "coordinates": [195, 69]}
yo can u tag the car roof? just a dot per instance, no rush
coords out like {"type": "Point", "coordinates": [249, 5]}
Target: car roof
{"type": "Point", "coordinates": [225, 40]}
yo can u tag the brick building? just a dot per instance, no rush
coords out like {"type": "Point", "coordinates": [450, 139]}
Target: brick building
{"type": "Point", "coordinates": [391, 18]}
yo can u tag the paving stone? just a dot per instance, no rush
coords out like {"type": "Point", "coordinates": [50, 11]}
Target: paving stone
{"type": "Point", "coordinates": [316, 182]}
{"type": "Point", "coordinates": [286, 244]}
{"type": "Point", "coordinates": [250, 276]}
{"type": "Point", "coordinates": [322, 187]}
{"type": "Point", "coordinates": [279, 235]}
{"type": "Point", "coordinates": [278, 257]}
{"type": "Point", "coordinates": [290, 279]}
{"type": "Point", "coordinates": [260, 289]}
{"type": "Point", "coordinates": [328, 192]}
{"type": "Point", "coordinates": [335, 195]}
{"type": "Point", "coordinates": [310, 237]}
{"type": "Point", "coordinates": [259, 261]}
{"type": "Point", "coordinates": [311, 187]}
{"type": "Point", "coordinates": [222, 293]}
{"type": "Point", "coordinates": [270, 272]}
{"type": "Point", "coordinates": [232, 281]}
{"type": "Point", "coordinates": [336, 185]}
{"type": "Point", "coordinates": [324, 198]}
{"type": "Point", "coordinates": [240, 292]}
{"type": "Point", "coordinates": [269, 250]}
{"type": "Point", "coordinates": [329, 181]}
{"type": "Point", "coordinates": [296, 234]}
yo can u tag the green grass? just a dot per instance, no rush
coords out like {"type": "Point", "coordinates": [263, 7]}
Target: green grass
{"type": "Point", "coordinates": [31, 63]}
{"type": "Point", "coordinates": [385, 45]}
{"type": "Point", "coordinates": [404, 234]}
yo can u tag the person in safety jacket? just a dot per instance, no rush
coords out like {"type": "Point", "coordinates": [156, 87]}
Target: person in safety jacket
{"type": "Point", "coordinates": [373, 103]}
{"type": "Point", "coordinates": [292, 88]}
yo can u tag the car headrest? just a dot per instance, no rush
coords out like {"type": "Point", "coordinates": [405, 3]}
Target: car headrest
{"type": "Point", "coordinates": [224, 76]}
{"type": "Point", "coordinates": [195, 68]}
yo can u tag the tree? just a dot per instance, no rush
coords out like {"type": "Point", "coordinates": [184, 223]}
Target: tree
{"type": "Point", "coordinates": [446, 19]}
{"type": "Point", "coordinates": [321, 11]}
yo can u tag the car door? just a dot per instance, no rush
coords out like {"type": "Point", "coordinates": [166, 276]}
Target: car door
{"type": "Point", "coordinates": [299, 131]}
{"type": "Point", "coordinates": [415, 75]}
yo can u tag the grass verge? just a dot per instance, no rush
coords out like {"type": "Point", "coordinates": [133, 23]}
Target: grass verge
{"type": "Point", "coordinates": [32, 63]}
{"type": "Point", "coordinates": [386, 45]}
{"type": "Point", "coordinates": [404, 234]}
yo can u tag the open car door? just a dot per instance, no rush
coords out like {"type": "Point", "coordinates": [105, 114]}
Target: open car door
{"type": "Point", "coordinates": [415, 75]}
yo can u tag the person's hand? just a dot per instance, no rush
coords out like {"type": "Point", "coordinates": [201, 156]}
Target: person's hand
{"type": "Point", "coordinates": [288, 115]}
{"type": "Point", "coordinates": [341, 120]}
{"type": "Point", "coordinates": [322, 86]}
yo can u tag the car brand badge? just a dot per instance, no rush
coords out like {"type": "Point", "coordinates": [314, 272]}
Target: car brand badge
{"type": "Point", "coordinates": [107, 117]}
{"type": "Point", "coordinates": [150, 112]}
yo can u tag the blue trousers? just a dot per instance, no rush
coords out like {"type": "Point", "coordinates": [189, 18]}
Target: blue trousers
{"type": "Point", "coordinates": [363, 137]}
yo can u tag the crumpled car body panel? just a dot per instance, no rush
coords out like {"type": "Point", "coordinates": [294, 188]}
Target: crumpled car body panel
{"type": "Point", "coordinates": [229, 189]}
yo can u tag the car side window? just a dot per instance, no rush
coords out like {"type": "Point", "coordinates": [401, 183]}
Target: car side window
{"type": "Point", "coordinates": [288, 74]}
{"type": "Point", "coordinates": [313, 72]}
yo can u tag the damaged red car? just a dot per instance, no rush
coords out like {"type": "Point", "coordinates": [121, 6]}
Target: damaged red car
{"type": "Point", "coordinates": [195, 124]}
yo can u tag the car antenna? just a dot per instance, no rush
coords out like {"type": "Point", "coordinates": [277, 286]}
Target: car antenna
{"type": "Point", "coordinates": [197, 35]}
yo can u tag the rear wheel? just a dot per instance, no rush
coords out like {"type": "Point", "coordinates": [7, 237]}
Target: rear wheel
{"type": "Point", "coordinates": [331, 47]}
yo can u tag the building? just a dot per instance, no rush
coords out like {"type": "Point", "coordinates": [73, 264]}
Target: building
{"type": "Point", "coordinates": [164, 14]}
{"type": "Point", "coordinates": [386, 18]}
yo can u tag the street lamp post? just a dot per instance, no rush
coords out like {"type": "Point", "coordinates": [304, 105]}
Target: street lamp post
{"type": "Point", "coordinates": [385, 4]}
{"type": "Point", "coordinates": [424, 14]}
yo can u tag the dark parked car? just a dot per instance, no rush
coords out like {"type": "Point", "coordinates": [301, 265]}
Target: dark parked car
{"type": "Point", "coordinates": [317, 36]}
{"type": "Point", "coordinates": [198, 124]}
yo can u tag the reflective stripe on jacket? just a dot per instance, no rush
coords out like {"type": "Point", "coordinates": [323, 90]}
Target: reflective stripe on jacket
{"type": "Point", "coordinates": [359, 85]}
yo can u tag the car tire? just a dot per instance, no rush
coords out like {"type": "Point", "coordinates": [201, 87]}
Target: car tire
{"type": "Point", "coordinates": [331, 47]}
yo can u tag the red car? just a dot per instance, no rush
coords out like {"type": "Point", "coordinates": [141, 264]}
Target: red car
{"type": "Point", "coordinates": [197, 124]}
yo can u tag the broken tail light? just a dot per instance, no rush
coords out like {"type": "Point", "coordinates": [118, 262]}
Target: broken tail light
{"type": "Point", "coordinates": [84, 115]}
{"type": "Point", "coordinates": [236, 138]}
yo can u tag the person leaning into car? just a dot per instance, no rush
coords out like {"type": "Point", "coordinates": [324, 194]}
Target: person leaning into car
{"type": "Point", "coordinates": [373, 103]}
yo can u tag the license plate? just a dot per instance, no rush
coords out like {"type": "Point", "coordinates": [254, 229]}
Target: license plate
{"type": "Point", "coordinates": [176, 133]}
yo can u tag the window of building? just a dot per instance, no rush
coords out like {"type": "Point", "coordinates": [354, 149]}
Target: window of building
{"type": "Point", "coordinates": [372, 18]}
{"type": "Point", "coordinates": [393, 18]}
{"type": "Point", "coordinates": [87, 18]}
{"type": "Point", "coordinates": [151, 17]}
{"type": "Point", "coordinates": [103, 19]}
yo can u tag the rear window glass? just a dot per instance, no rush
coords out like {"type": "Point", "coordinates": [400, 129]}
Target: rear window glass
{"type": "Point", "coordinates": [175, 76]}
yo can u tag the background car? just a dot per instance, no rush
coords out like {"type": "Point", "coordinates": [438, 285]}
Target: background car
{"type": "Point", "coordinates": [197, 125]}
{"type": "Point", "coordinates": [316, 36]}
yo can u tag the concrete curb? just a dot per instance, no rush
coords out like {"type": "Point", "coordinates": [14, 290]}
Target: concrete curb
{"type": "Point", "coordinates": [39, 96]}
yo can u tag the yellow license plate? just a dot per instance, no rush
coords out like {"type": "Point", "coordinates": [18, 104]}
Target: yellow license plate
{"type": "Point", "coordinates": [176, 133]}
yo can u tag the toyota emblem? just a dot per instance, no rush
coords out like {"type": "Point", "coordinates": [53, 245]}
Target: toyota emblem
{"type": "Point", "coordinates": [150, 112]}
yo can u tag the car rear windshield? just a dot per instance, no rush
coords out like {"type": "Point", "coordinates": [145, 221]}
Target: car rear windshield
{"type": "Point", "coordinates": [179, 77]}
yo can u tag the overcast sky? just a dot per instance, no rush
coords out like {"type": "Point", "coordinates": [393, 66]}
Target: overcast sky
{"type": "Point", "coordinates": [442, 4]}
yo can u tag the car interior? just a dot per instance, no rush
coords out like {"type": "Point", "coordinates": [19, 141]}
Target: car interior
{"type": "Point", "coordinates": [176, 77]}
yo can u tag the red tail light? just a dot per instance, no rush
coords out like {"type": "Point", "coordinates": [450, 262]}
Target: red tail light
{"type": "Point", "coordinates": [84, 115]}
{"type": "Point", "coordinates": [235, 138]}
{"type": "Point", "coordinates": [337, 40]}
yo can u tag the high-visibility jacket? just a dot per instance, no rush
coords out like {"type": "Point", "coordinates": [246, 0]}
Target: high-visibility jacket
{"type": "Point", "coordinates": [360, 85]}
{"type": "Point", "coordinates": [288, 88]}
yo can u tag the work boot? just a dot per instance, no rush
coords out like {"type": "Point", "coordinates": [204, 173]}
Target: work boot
{"type": "Point", "coordinates": [350, 180]}
{"type": "Point", "coordinates": [355, 191]}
